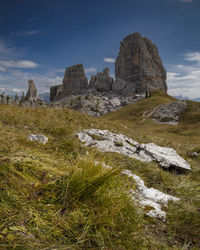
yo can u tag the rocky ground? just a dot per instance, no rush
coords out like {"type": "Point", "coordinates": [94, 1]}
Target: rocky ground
{"type": "Point", "coordinates": [169, 113]}
{"type": "Point", "coordinates": [95, 103]}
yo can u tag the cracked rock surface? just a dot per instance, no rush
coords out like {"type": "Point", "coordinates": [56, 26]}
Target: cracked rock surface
{"type": "Point", "coordinates": [106, 141]}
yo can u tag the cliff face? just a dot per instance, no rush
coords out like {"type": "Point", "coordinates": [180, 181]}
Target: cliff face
{"type": "Point", "coordinates": [75, 81]}
{"type": "Point", "coordinates": [138, 67]}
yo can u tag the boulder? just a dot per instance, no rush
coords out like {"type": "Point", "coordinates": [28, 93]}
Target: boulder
{"type": "Point", "coordinates": [102, 82]}
{"type": "Point", "coordinates": [32, 94]}
{"type": "Point", "coordinates": [140, 67]}
{"type": "Point", "coordinates": [40, 138]}
{"type": "Point", "coordinates": [106, 141]}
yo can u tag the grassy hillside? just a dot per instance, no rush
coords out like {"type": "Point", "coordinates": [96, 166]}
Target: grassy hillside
{"type": "Point", "coordinates": [54, 196]}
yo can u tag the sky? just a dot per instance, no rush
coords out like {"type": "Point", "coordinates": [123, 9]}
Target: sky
{"type": "Point", "coordinates": [40, 38]}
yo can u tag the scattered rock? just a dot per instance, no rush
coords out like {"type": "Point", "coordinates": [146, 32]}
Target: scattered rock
{"type": "Point", "coordinates": [32, 92]}
{"type": "Point", "coordinates": [194, 154]}
{"type": "Point", "coordinates": [149, 197]}
{"type": "Point", "coordinates": [138, 67]}
{"type": "Point", "coordinates": [169, 113]}
{"type": "Point", "coordinates": [106, 141]}
{"type": "Point", "coordinates": [40, 138]}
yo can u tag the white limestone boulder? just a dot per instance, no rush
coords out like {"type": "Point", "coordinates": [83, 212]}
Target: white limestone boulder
{"type": "Point", "coordinates": [150, 197]}
{"type": "Point", "coordinates": [106, 141]}
{"type": "Point", "coordinates": [39, 138]}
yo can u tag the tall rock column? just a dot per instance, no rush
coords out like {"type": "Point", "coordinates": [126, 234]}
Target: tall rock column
{"type": "Point", "coordinates": [138, 67]}
{"type": "Point", "coordinates": [75, 82]}
{"type": "Point", "coordinates": [32, 94]}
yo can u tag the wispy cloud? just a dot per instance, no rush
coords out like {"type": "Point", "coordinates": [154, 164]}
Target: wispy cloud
{"type": "Point", "coordinates": [90, 70]}
{"type": "Point", "coordinates": [109, 60]}
{"type": "Point", "coordinates": [4, 47]}
{"type": "Point", "coordinates": [26, 33]}
{"type": "Point", "coordinates": [186, 1]}
{"type": "Point", "coordinates": [185, 79]}
{"type": "Point", "coordinates": [24, 64]}
{"type": "Point", "coordinates": [193, 56]}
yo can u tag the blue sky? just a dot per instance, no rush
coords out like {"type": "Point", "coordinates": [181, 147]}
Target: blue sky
{"type": "Point", "coordinates": [40, 38]}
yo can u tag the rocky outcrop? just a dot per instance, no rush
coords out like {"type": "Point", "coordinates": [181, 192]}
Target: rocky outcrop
{"type": "Point", "coordinates": [96, 104]}
{"type": "Point", "coordinates": [32, 94]}
{"type": "Point", "coordinates": [106, 141]}
{"type": "Point", "coordinates": [102, 82]}
{"type": "Point", "coordinates": [169, 113]}
{"type": "Point", "coordinates": [138, 67]}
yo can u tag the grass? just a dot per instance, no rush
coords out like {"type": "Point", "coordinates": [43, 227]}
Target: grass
{"type": "Point", "coordinates": [57, 196]}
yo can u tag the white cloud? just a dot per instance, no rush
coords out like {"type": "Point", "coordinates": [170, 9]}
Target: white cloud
{"type": "Point", "coordinates": [24, 64]}
{"type": "Point", "coordinates": [90, 70]}
{"type": "Point", "coordinates": [16, 90]}
{"type": "Point", "coordinates": [185, 84]}
{"type": "Point", "coordinates": [186, 1]}
{"type": "Point", "coordinates": [194, 56]}
{"type": "Point", "coordinates": [2, 89]}
{"type": "Point", "coordinates": [185, 79]}
{"type": "Point", "coordinates": [109, 60]}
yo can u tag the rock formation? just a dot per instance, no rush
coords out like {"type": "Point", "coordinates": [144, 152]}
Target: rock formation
{"type": "Point", "coordinates": [138, 67]}
{"type": "Point", "coordinates": [74, 83]}
{"type": "Point", "coordinates": [138, 71]}
{"type": "Point", "coordinates": [32, 92]}
{"type": "Point", "coordinates": [102, 82]}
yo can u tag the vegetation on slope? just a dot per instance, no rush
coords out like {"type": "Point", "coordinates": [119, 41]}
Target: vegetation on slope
{"type": "Point", "coordinates": [56, 196]}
